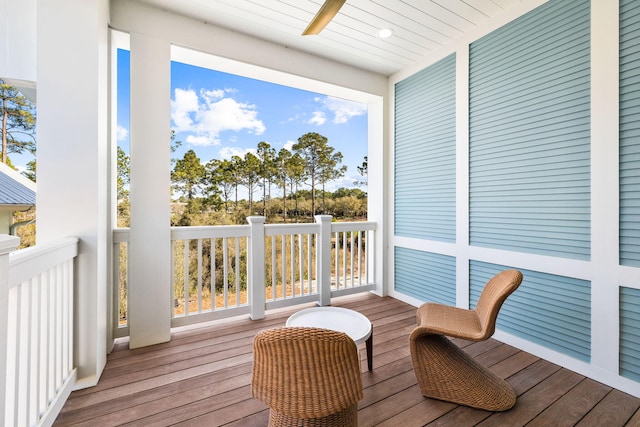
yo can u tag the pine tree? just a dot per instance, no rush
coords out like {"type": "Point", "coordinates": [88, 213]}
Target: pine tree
{"type": "Point", "coordinates": [18, 122]}
{"type": "Point", "coordinates": [321, 163]}
{"type": "Point", "coordinates": [188, 175]}
{"type": "Point", "coordinates": [281, 161]}
{"type": "Point", "coordinates": [267, 156]}
{"type": "Point", "coordinates": [219, 178]}
{"type": "Point", "coordinates": [250, 175]}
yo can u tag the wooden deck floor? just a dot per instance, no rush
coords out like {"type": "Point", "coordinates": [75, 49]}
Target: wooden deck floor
{"type": "Point", "coordinates": [202, 378]}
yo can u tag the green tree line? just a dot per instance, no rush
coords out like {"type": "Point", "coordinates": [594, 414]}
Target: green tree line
{"type": "Point", "coordinates": [206, 189]}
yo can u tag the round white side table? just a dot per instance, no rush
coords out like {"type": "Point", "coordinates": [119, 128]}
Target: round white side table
{"type": "Point", "coordinates": [352, 323]}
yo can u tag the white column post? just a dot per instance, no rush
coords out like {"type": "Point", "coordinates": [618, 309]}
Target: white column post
{"type": "Point", "coordinates": [605, 206]}
{"type": "Point", "coordinates": [150, 236]}
{"type": "Point", "coordinates": [462, 176]}
{"type": "Point", "coordinates": [73, 159]}
{"type": "Point", "coordinates": [324, 259]}
{"type": "Point", "coordinates": [255, 285]}
{"type": "Point", "coordinates": [379, 208]}
{"type": "Point", "coordinates": [7, 244]}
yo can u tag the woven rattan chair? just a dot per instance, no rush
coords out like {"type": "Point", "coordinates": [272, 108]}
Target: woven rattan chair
{"type": "Point", "coordinates": [307, 376]}
{"type": "Point", "coordinates": [446, 372]}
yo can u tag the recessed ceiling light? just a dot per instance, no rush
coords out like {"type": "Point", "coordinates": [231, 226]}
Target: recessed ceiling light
{"type": "Point", "coordinates": [385, 33]}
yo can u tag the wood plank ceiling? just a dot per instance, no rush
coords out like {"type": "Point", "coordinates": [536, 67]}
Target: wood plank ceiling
{"type": "Point", "coordinates": [420, 26]}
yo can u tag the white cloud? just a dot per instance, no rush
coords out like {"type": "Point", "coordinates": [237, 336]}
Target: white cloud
{"type": "Point", "coordinates": [289, 145]}
{"type": "Point", "coordinates": [319, 118]}
{"type": "Point", "coordinates": [212, 95]}
{"type": "Point", "coordinates": [292, 119]}
{"type": "Point", "coordinates": [342, 109]}
{"type": "Point", "coordinates": [228, 114]}
{"type": "Point", "coordinates": [122, 133]}
{"type": "Point", "coordinates": [184, 104]}
{"type": "Point", "coordinates": [228, 152]}
{"type": "Point", "coordinates": [210, 113]}
{"type": "Point", "coordinates": [200, 140]}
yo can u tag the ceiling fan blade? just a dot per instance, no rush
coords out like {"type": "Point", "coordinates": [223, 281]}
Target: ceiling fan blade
{"type": "Point", "coordinates": [323, 17]}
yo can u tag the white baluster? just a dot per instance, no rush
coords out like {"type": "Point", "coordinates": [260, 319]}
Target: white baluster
{"type": "Point", "coordinates": [7, 245]}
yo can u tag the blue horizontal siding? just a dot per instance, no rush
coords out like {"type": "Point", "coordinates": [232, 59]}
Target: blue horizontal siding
{"type": "Point", "coordinates": [630, 333]}
{"type": "Point", "coordinates": [529, 130]}
{"type": "Point", "coordinates": [424, 156]}
{"type": "Point", "coordinates": [425, 276]}
{"type": "Point", "coordinates": [629, 133]}
{"type": "Point", "coordinates": [550, 310]}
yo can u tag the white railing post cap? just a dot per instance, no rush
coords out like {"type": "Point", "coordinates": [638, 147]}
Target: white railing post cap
{"type": "Point", "coordinates": [323, 218]}
{"type": "Point", "coordinates": [258, 219]}
{"type": "Point", "coordinates": [8, 243]}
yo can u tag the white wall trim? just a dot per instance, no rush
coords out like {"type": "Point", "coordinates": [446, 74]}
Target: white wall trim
{"type": "Point", "coordinates": [605, 190]}
{"type": "Point", "coordinates": [462, 176]}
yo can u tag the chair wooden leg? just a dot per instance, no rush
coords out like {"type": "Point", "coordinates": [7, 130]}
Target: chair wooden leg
{"type": "Point", "coordinates": [446, 372]}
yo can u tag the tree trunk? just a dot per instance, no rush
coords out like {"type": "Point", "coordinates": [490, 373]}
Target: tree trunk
{"type": "Point", "coordinates": [313, 196]}
{"type": "Point", "coordinates": [296, 198]}
{"type": "Point", "coordinates": [284, 201]}
{"type": "Point", "coordinates": [264, 197]}
{"type": "Point", "coordinates": [5, 119]}
{"type": "Point", "coordinates": [269, 190]}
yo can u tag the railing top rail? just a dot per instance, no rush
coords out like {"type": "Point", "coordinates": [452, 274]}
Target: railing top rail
{"type": "Point", "coordinates": [277, 229]}
{"type": "Point", "coordinates": [352, 226]}
{"type": "Point", "coordinates": [210, 231]}
{"type": "Point", "coordinates": [27, 263]}
{"type": "Point", "coordinates": [216, 231]}
{"type": "Point", "coordinates": [121, 235]}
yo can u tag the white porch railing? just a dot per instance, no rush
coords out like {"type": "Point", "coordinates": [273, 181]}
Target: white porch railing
{"type": "Point", "coordinates": [225, 271]}
{"type": "Point", "coordinates": [36, 331]}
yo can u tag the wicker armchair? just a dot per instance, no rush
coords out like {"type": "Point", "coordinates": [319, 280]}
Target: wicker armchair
{"type": "Point", "coordinates": [446, 372]}
{"type": "Point", "coordinates": [307, 376]}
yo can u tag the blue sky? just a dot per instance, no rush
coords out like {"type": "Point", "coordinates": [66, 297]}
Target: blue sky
{"type": "Point", "coordinates": [219, 115]}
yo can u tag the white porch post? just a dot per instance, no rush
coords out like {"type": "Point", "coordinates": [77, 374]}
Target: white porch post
{"type": "Point", "coordinates": [7, 244]}
{"type": "Point", "coordinates": [256, 268]}
{"type": "Point", "coordinates": [150, 235]}
{"type": "Point", "coordinates": [379, 204]}
{"type": "Point", "coordinates": [324, 259]}
{"type": "Point", "coordinates": [73, 173]}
